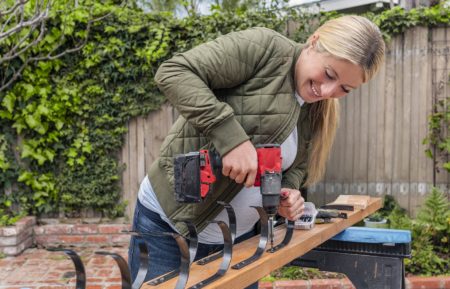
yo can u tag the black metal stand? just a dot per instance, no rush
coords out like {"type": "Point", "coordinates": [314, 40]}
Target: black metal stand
{"type": "Point", "coordinates": [287, 237]}
{"type": "Point", "coordinates": [262, 240]}
{"type": "Point", "coordinates": [227, 254]}
{"type": "Point", "coordinates": [232, 226]}
{"type": "Point", "coordinates": [124, 271]}
{"type": "Point", "coordinates": [364, 269]}
{"type": "Point", "coordinates": [79, 267]}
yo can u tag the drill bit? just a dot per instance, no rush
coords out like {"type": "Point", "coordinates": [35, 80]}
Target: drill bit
{"type": "Point", "coordinates": [271, 235]}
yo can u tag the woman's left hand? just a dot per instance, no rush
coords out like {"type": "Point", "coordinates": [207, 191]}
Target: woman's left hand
{"type": "Point", "coordinates": [291, 204]}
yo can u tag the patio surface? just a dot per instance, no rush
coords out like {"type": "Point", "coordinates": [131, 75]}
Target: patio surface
{"type": "Point", "coordinates": [41, 269]}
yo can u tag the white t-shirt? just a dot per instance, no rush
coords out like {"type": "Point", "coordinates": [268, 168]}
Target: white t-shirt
{"type": "Point", "coordinates": [246, 217]}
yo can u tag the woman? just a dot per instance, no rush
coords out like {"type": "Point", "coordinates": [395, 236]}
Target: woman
{"type": "Point", "coordinates": [246, 88]}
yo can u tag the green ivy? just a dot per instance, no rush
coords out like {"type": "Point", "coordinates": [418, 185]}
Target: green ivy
{"type": "Point", "coordinates": [438, 138]}
{"type": "Point", "coordinates": [430, 231]}
{"type": "Point", "coordinates": [64, 120]}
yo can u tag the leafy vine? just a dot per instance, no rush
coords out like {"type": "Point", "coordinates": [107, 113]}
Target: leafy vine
{"type": "Point", "coordinates": [64, 119]}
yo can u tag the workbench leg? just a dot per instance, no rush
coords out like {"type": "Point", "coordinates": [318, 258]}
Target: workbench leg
{"type": "Point", "coordinates": [364, 271]}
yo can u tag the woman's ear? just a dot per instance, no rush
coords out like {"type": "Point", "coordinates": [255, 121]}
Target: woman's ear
{"type": "Point", "coordinates": [313, 40]}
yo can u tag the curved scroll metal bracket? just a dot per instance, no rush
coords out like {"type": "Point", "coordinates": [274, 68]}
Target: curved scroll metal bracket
{"type": "Point", "coordinates": [262, 240]}
{"type": "Point", "coordinates": [184, 252]}
{"type": "Point", "coordinates": [233, 228]}
{"type": "Point", "coordinates": [185, 261]}
{"type": "Point", "coordinates": [287, 237]}
{"type": "Point", "coordinates": [193, 244]}
{"type": "Point", "coordinates": [80, 273]}
{"type": "Point", "coordinates": [143, 262]}
{"type": "Point", "coordinates": [226, 260]}
{"type": "Point", "coordinates": [123, 266]}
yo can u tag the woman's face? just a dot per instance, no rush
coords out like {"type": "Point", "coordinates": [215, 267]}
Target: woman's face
{"type": "Point", "coordinates": [321, 76]}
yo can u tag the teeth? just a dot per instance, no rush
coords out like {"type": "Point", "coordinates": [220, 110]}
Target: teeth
{"type": "Point", "coordinates": [314, 90]}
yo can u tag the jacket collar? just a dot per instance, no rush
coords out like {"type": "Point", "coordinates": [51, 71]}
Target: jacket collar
{"type": "Point", "coordinates": [297, 51]}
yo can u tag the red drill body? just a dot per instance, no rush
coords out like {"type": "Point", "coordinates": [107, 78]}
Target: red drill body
{"type": "Point", "coordinates": [196, 172]}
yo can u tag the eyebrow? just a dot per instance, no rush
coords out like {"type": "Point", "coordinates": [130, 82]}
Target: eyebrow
{"type": "Point", "coordinates": [337, 76]}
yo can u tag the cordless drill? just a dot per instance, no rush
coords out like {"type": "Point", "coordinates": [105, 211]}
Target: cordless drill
{"type": "Point", "coordinates": [268, 178]}
{"type": "Point", "coordinates": [196, 172]}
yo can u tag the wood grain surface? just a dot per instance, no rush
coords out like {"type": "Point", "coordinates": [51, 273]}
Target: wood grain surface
{"type": "Point", "coordinates": [302, 242]}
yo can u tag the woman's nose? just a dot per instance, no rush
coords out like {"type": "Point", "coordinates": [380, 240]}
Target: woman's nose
{"type": "Point", "coordinates": [328, 89]}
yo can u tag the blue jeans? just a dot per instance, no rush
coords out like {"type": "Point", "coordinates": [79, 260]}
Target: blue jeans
{"type": "Point", "coordinates": [164, 255]}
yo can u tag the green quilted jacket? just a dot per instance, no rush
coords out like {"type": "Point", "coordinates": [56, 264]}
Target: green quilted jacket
{"type": "Point", "coordinates": [235, 88]}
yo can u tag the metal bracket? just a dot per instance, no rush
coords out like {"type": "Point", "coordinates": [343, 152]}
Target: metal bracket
{"type": "Point", "coordinates": [232, 226]}
{"type": "Point", "coordinates": [262, 240]}
{"type": "Point", "coordinates": [79, 267]}
{"type": "Point", "coordinates": [123, 266]}
{"type": "Point", "coordinates": [184, 252]}
{"type": "Point", "coordinates": [185, 258]}
{"type": "Point", "coordinates": [193, 244]}
{"type": "Point", "coordinates": [287, 237]}
{"type": "Point", "coordinates": [227, 254]}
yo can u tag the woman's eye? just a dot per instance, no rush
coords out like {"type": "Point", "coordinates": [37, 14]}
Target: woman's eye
{"type": "Point", "coordinates": [345, 90]}
{"type": "Point", "coordinates": [328, 74]}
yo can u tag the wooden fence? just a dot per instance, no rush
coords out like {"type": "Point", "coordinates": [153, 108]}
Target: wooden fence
{"type": "Point", "coordinates": [378, 149]}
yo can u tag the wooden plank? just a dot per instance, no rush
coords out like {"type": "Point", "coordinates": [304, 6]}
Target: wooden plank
{"type": "Point", "coordinates": [151, 125]}
{"type": "Point", "coordinates": [406, 131]}
{"type": "Point", "coordinates": [349, 141]}
{"type": "Point", "coordinates": [363, 141]}
{"type": "Point", "coordinates": [357, 129]}
{"type": "Point", "coordinates": [445, 186]}
{"type": "Point", "coordinates": [389, 116]}
{"type": "Point", "coordinates": [148, 138]}
{"type": "Point", "coordinates": [339, 148]}
{"type": "Point", "coordinates": [372, 141]}
{"type": "Point", "coordinates": [440, 82]}
{"type": "Point", "coordinates": [405, 168]}
{"type": "Point", "coordinates": [126, 174]}
{"type": "Point", "coordinates": [379, 94]}
{"type": "Point", "coordinates": [422, 89]}
{"type": "Point", "coordinates": [414, 92]}
{"type": "Point", "coordinates": [141, 169]}
{"type": "Point", "coordinates": [429, 108]}
{"type": "Point", "coordinates": [133, 161]}
{"type": "Point", "coordinates": [401, 141]}
{"type": "Point", "coordinates": [332, 170]}
{"type": "Point", "coordinates": [302, 242]}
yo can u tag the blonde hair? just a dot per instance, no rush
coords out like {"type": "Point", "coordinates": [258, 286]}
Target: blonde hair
{"type": "Point", "coordinates": [352, 38]}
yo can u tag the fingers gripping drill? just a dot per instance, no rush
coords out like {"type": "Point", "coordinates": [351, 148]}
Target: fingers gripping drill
{"type": "Point", "coordinates": [195, 174]}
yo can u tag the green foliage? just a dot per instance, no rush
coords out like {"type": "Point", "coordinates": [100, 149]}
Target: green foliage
{"type": "Point", "coordinates": [438, 138]}
{"type": "Point", "coordinates": [434, 219]}
{"type": "Point", "coordinates": [299, 273]}
{"type": "Point", "coordinates": [64, 119]}
{"type": "Point", "coordinates": [397, 20]}
{"type": "Point", "coordinates": [68, 115]}
{"type": "Point", "coordinates": [430, 231]}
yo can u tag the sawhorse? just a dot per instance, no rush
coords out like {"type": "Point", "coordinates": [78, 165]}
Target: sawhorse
{"type": "Point", "coordinates": [371, 258]}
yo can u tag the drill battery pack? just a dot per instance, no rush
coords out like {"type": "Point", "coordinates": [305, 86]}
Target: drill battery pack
{"type": "Point", "coordinates": [195, 172]}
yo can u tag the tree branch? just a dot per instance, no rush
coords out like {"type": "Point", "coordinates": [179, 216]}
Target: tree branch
{"type": "Point", "coordinates": [39, 19]}
{"type": "Point", "coordinates": [13, 54]}
{"type": "Point", "coordinates": [22, 24]}
{"type": "Point", "coordinates": [13, 9]}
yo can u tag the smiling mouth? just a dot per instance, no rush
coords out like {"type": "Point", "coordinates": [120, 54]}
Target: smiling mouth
{"type": "Point", "coordinates": [314, 89]}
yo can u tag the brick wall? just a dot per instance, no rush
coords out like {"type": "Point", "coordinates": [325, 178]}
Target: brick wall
{"type": "Point", "coordinates": [15, 239]}
{"type": "Point", "coordinates": [81, 235]}
{"type": "Point", "coordinates": [25, 233]}
{"type": "Point", "coordinates": [436, 282]}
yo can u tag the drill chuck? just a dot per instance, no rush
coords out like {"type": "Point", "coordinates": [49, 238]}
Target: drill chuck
{"type": "Point", "coordinates": [270, 191]}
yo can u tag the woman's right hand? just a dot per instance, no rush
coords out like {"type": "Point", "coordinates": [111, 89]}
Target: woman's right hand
{"type": "Point", "coordinates": [241, 163]}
